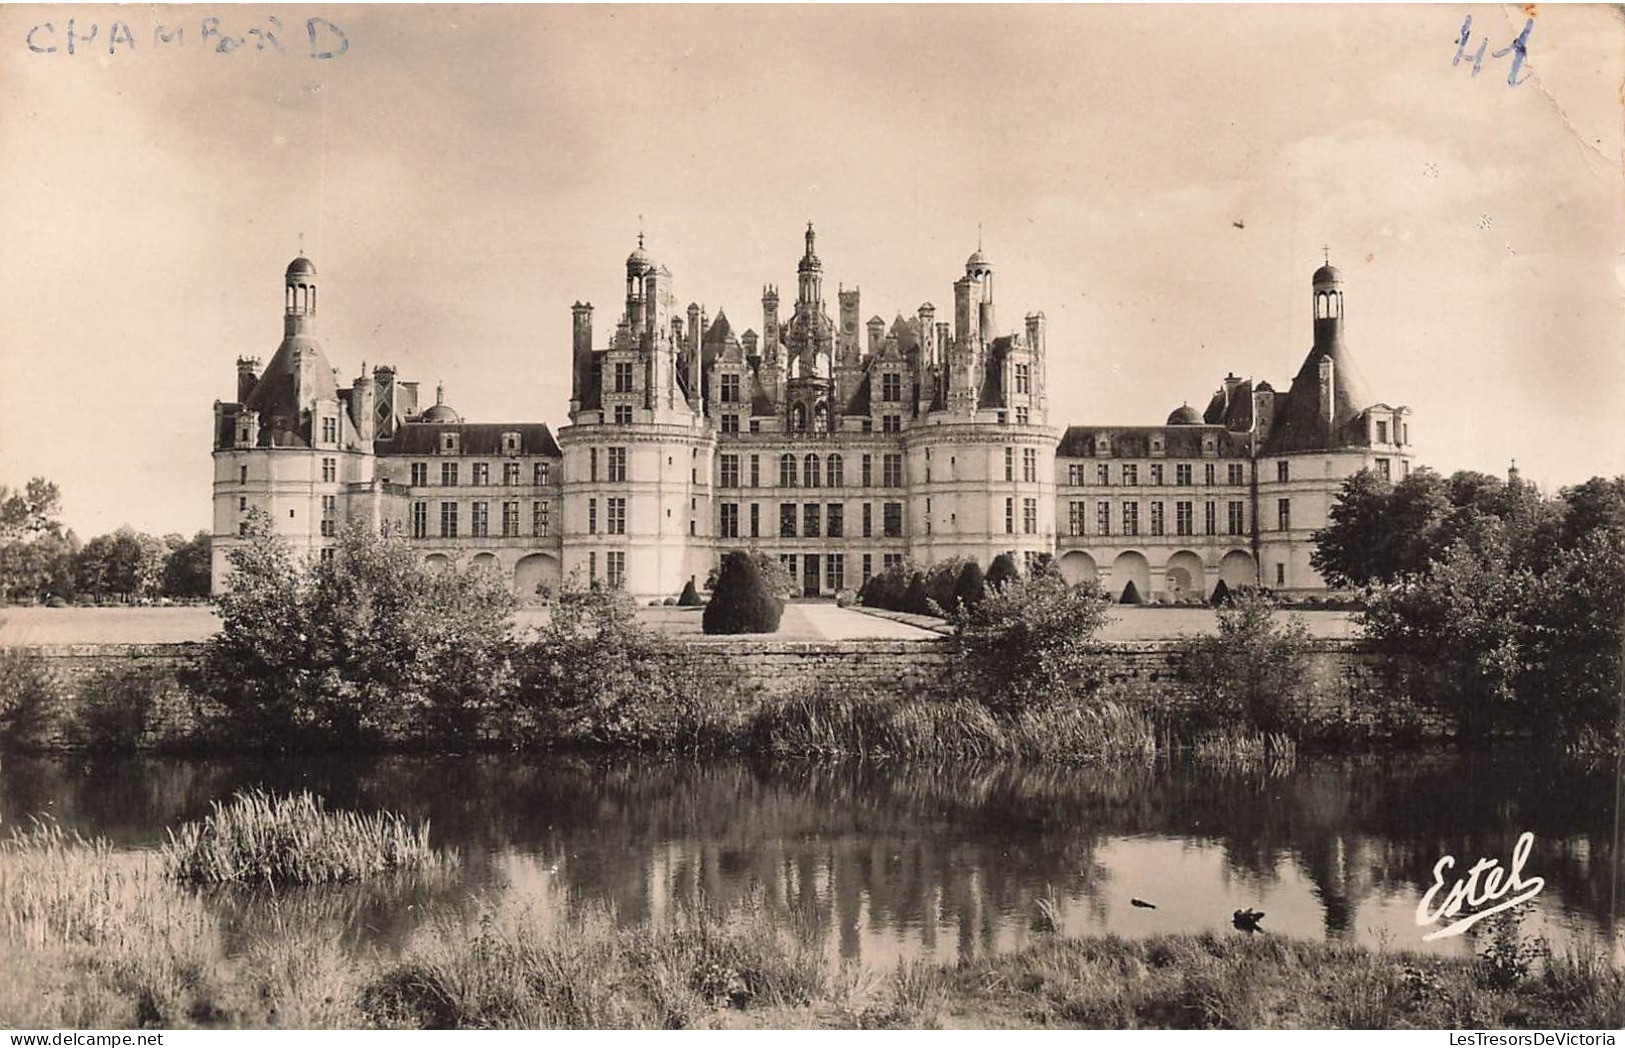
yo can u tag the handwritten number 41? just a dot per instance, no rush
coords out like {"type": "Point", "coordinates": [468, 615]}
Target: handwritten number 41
{"type": "Point", "coordinates": [1518, 49]}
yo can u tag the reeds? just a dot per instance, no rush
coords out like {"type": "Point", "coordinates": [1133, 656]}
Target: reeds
{"type": "Point", "coordinates": [260, 838]}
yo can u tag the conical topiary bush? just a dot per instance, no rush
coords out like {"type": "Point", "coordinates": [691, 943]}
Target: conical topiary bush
{"type": "Point", "coordinates": [971, 587]}
{"type": "Point", "coordinates": [915, 598]}
{"type": "Point", "coordinates": [1002, 570]}
{"type": "Point", "coordinates": [689, 598]}
{"type": "Point", "coordinates": [1221, 595]}
{"type": "Point", "coordinates": [1131, 594]}
{"type": "Point", "coordinates": [742, 601]}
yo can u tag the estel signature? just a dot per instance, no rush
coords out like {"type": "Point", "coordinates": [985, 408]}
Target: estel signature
{"type": "Point", "coordinates": [1505, 888]}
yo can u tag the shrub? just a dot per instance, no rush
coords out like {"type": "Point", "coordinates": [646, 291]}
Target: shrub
{"type": "Point", "coordinates": [1131, 594]}
{"type": "Point", "coordinates": [1251, 671]}
{"type": "Point", "coordinates": [970, 588]}
{"type": "Point", "coordinates": [845, 598]}
{"type": "Point", "coordinates": [261, 838]}
{"type": "Point", "coordinates": [1002, 571]}
{"type": "Point", "coordinates": [31, 709]}
{"type": "Point", "coordinates": [1221, 594]}
{"type": "Point", "coordinates": [1028, 642]}
{"type": "Point", "coordinates": [887, 590]}
{"type": "Point", "coordinates": [114, 708]}
{"type": "Point", "coordinates": [941, 579]}
{"type": "Point", "coordinates": [689, 597]}
{"type": "Point", "coordinates": [742, 601]}
{"type": "Point", "coordinates": [915, 598]}
{"type": "Point", "coordinates": [669, 602]}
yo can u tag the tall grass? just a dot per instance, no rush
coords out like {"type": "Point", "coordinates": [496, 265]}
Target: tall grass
{"type": "Point", "coordinates": [259, 838]}
{"type": "Point", "coordinates": [868, 724]}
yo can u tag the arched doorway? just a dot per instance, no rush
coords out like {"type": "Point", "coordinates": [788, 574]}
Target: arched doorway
{"type": "Point", "coordinates": [1236, 569]}
{"type": "Point", "coordinates": [1184, 576]}
{"type": "Point", "coordinates": [535, 577]}
{"type": "Point", "coordinates": [1077, 566]}
{"type": "Point", "coordinates": [1130, 566]}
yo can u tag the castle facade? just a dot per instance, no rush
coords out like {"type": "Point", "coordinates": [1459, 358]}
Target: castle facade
{"type": "Point", "coordinates": [838, 444]}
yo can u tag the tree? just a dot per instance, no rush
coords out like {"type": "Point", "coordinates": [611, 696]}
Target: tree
{"type": "Point", "coordinates": [1252, 669]}
{"type": "Point", "coordinates": [971, 587]}
{"type": "Point", "coordinates": [689, 598]}
{"type": "Point", "coordinates": [742, 601]}
{"type": "Point", "coordinates": [1352, 550]}
{"type": "Point", "coordinates": [915, 599]}
{"type": "Point", "coordinates": [1002, 571]}
{"type": "Point", "coordinates": [1029, 641]}
{"type": "Point", "coordinates": [366, 647]}
{"type": "Point", "coordinates": [30, 512]}
{"type": "Point", "coordinates": [187, 567]}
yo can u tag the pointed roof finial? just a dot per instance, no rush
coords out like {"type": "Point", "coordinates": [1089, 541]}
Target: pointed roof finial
{"type": "Point", "coordinates": [301, 245]}
{"type": "Point", "coordinates": [1326, 253]}
{"type": "Point", "coordinates": [440, 393]}
{"type": "Point", "coordinates": [640, 231]}
{"type": "Point", "coordinates": [978, 236]}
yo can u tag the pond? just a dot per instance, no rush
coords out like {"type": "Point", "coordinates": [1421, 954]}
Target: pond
{"type": "Point", "coordinates": [887, 862]}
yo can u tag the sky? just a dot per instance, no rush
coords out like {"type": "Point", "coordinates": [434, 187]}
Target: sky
{"type": "Point", "coordinates": [1160, 181]}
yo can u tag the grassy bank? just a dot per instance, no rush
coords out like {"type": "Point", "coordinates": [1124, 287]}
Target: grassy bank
{"type": "Point", "coordinates": [98, 938]}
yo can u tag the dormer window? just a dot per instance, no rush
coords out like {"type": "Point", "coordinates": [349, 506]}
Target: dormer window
{"type": "Point", "coordinates": [510, 443]}
{"type": "Point", "coordinates": [1103, 445]}
{"type": "Point", "coordinates": [729, 389]}
{"type": "Point", "coordinates": [1156, 445]}
{"type": "Point", "coordinates": [448, 443]}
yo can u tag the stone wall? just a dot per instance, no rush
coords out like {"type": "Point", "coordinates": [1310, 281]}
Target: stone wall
{"type": "Point", "coordinates": [1349, 684]}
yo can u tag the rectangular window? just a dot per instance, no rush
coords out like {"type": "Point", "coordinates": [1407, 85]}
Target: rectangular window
{"type": "Point", "coordinates": [420, 474]}
{"type": "Point", "coordinates": [541, 474]}
{"type": "Point", "coordinates": [1280, 574]}
{"type": "Point", "coordinates": [1156, 518]}
{"type": "Point", "coordinates": [592, 567]}
{"type": "Point", "coordinates": [1283, 514]}
{"type": "Point", "coordinates": [592, 465]}
{"type": "Point", "coordinates": [728, 520]}
{"type": "Point", "coordinates": [1029, 464]}
{"type": "Point", "coordinates": [1024, 378]}
{"type": "Point", "coordinates": [835, 474]}
{"type": "Point", "coordinates": [928, 516]}
{"type": "Point", "coordinates": [892, 471]}
{"type": "Point", "coordinates": [868, 566]}
{"type": "Point", "coordinates": [615, 569]}
{"type": "Point", "coordinates": [1182, 474]}
{"type": "Point", "coordinates": [420, 520]}
{"type": "Point", "coordinates": [810, 515]}
{"type": "Point", "coordinates": [1075, 512]}
{"type": "Point", "coordinates": [1131, 518]}
{"type": "Point", "coordinates": [891, 387]}
{"type": "Point", "coordinates": [1009, 516]}
{"type": "Point", "coordinates": [510, 520]}
{"type": "Point", "coordinates": [1384, 469]}
{"type": "Point", "coordinates": [729, 390]}
{"type": "Point", "coordinates": [891, 560]}
{"type": "Point", "coordinates": [510, 474]}
{"type": "Point", "coordinates": [327, 554]}
{"type": "Point", "coordinates": [330, 470]}
{"type": "Point", "coordinates": [623, 377]}
{"type": "Point", "coordinates": [1029, 516]}
{"type": "Point", "coordinates": [1382, 433]}
{"type": "Point", "coordinates": [1235, 519]}
{"type": "Point", "coordinates": [868, 519]}
{"type": "Point", "coordinates": [1283, 471]}
{"type": "Point", "coordinates": [448, 474]}
{"type": "Point", "coordinates": [1210, 518]}
{"type": "Point", "coordinates": [1235, 473]}
{"type": "Point", "coordinates": [755, 520]}
{"type": "Point", "coordinates": [755, 471]}
{"type": "Point", "coordinates": [891, 424]}
{"type": "Point", "coordinates": [615, 463]}
{"type": "Point", "coordinates": [1131, 473]}
{"type": "Point", "coordinates": [330, 430]}
{"type": "Point", "coordinates": [1182, 518]}
{"type": "Point", "coordinates": [892, 520]}
{"type": "Point", "coordinates": [615, 516]}
{"type": "Point", "coordinates": [787, 520]}
{"type": "Point", "coordinates": [728, 471]}
{"type": "Point", "coordinates": [623, 414]}
{"type": "Point", "coordinates": [1103, 474]}
{"type": "Point", "coordinates": [835, 571]}
{"type": "Point", "coordinates": [1073, 474]}
{"type": "Point", "coordinates": [1103, 518]}
{"type": "Point", "coordinates": [835, 518]}
{"type": "Point", "coordinates": [868, 470]}
{"type": "Point", "coordinates": [592, 516]}
{"type": "Point", "coordinates": [479, 524]}
{"type": "Point", "coordinates": [448, 520]}
{"type": "Point", "coordinates": [1009, 463]}
{"type": "Point", "coordinates": [330, 509]}
{"type": "Point", "coordinates": [481, 474]}
{"type": "Point", "coordinates": [538, 519]}
{"type": "Point", "coordinates": [1156, 474]}
{"type": "Point", "coordinates": [730, 423]}
{"type": "Point", "coordinates": [787, 471]}
{"type": "Point", "coordinates": [1021, 416]}
{"type": "Point", "coordinates": [756, 425]}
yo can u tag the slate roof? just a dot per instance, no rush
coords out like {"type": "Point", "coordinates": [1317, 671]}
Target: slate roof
{"type": "Point", "coordinates": [478, 438]}
{"type": "Point", "coordinates": [1135, 441]}
{"type": "Point", "coordinates": [1298, 425]}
